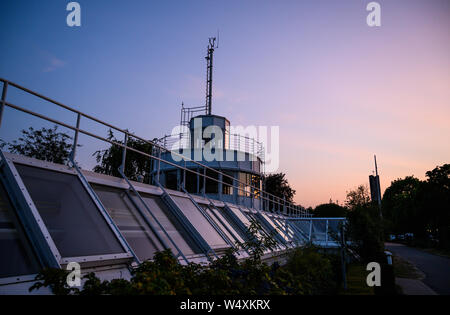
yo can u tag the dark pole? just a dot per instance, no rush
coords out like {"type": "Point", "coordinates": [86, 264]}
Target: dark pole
{"type": "Point", "coordinates": [378, 186]}
{"type": "Point", "coordinates": [343, 259]}
{"type": "Point", "coordinates": [209, 75]}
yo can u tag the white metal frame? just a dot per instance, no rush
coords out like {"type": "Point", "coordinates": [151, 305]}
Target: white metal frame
{"type": "Point", "coordinates": [116, 258]}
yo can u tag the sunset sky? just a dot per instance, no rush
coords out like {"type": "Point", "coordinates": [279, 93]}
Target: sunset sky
{"type": "Point", "coordinates": [339, 90]}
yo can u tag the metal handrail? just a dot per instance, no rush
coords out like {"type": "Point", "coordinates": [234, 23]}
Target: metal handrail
{"type": "Point", "coordinates": [294, 209]}
{"type": "Point", "coordinates": [236, 142]}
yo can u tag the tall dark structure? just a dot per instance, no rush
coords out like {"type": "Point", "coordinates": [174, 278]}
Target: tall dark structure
{"type": "Point", "coordinates": [375, 190]}
{"type": "Point", "coordinates": [209, 74]}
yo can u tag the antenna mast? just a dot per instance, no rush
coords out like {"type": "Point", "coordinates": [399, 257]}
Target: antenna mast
{"type": "Point", "coordinates": [209, 73]}
{"type": "Point", "coordinates": [376, 168]}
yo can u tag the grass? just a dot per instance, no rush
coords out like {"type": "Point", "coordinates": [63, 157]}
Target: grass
{"type": "Point", "coordinates": [404, 269]}
{"type": "Point", "coordinates": [356, 281]}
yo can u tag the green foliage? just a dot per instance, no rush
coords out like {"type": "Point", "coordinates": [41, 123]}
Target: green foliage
{"type": "Point", "coordinates": [44, 144]}
{"type": "Point", "coordinates": [136, 164]}
{"type": "Point", "coordinates": [364, 233]}
{"type": "Point", "coordinates": [329, 210]}
{"type": "Point", "coordinates": [277, 184]}
{"type": "Point", "coordinates": [258, 243]}
{"type": "Point", "coordinates": [307, 271]}
{"type": "Point", "coordinates": [316, 272]}
{"type": "Point", "coordinates": [357, 198]}
{"type": "Point", "coordinates": [420, 207]}
{"type": "Point", "coordinates": [56, 279]}
{"type": "Point", "coordinates": [435, 197]}
{"type": "Point", "coordinates": [400, 207]}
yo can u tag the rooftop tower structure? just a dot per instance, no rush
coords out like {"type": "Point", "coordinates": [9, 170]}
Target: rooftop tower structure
{"type": "Point", "coordinates": [241, 157]}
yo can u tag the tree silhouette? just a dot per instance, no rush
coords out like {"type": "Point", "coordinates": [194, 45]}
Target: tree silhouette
{"type": "Point", "coordinates": [136, 164]}
{"type": "Point", "coordinates": [357, 198]}
{"type": "Point", "coordinates": [44, 144]}
{"type": "Point", "coordinates": [329, 210]}
{"type": "Point", "coordinates": [277, 185]}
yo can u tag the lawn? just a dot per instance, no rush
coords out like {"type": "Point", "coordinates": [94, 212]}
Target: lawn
{"type": "Point", "coordinates": [356, 281]}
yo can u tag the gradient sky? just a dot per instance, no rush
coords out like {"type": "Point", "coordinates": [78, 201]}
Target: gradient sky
{"type": "Point", "coordinates": [339, 90]}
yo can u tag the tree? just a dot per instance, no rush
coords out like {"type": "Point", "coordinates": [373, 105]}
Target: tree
{"type": "Point", "coordinates": [400, 206]}
{"type": "Point", "coordinates": [421, 207]}
{"type": "Point", "coordinates": [277, 184]}
{"type": "Point", "coordinates": [359, 197]}
{"type": "Point", "coordinates": [364, 227]}
{"type": "Point", "coordinates": [44, 144]}
{"type": "Point", "coordinates": [136, 164]}
{"type": "Point", "coordinates": [329, 210]}
{"type": "Point", "coordinates": [435, 198]}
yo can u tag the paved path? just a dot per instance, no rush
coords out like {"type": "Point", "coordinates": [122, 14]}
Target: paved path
{"type": "Point", "coordinates": [435, 268]}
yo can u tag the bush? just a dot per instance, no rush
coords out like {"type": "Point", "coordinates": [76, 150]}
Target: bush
{"type": "Point", "coordinates": [314, 270]}
{"type": "Point", "coordinates": [307, 272]}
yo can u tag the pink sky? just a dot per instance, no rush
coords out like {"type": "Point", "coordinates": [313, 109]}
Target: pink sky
{"type": "Point", "coordinates": [340, 91]}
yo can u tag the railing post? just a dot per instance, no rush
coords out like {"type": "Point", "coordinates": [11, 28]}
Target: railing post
{"type": "Point", "coordinates": [75, 138]}
{"type": "Point", "coordinates": [197, 189]}
{"type": "Point", "coordinates": [159, 164]}
{"type": "Point", "coordinates": [310, 229]}
{"type": "Point", "coordinates": [220, 186]}
{"type": "Point", "coordinates": [326, 236]}
{"type": "Point", "coordinates": [2, 106]}
{"type": "Point", "coordinates": [204, 180]}
{"type": "Point", "coordinates": [124, 153]}
{"type": "Point", "coordinates": [184, 176]}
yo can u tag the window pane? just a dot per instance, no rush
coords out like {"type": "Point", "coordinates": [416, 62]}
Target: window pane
{"type": "Point", "coordinates": [74, 222]}
{"type": "Point", "coordinates": [303, 226]}
{"type": "Point", "coordinates": [227, 185]}
{"type": "Point", "coordinates": [200, 223]}
{"type": "Point", "coordinates": [191, 182]}
{"type": "Point", "coordinates": [130, 222]}
{"type": "Point", "coordinates": [279, 228]}
{"type": "Point", "coordinates": [212, 186]}
{"type": "Point", "coordinates": [284, 228]}
{"type": "Point", "coordinates": [171, 180]}
{"type": "Point", "coordinates": [16, 257]}
{"type": "Point", "coordinates": [240, 215]}
{"type": "Point", "coordinates": [242, 236]}
{"type": "Point", "coordinates": [244, 219]}
{"type": "Point", "coordinates": [170, 224]}
{"type": "Point", "coordinates": [262, 232]}
{"type": "Point", "coordinates": [213, 213]}
{"type": "Point", "coordinates": [319, 230]}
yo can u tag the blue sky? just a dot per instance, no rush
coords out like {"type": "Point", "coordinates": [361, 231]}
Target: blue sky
{"type": "Point", "coordinates": [339, 90]}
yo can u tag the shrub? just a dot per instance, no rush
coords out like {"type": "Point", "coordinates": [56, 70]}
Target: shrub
{"type": "Point", "coordinates": [307, 272]}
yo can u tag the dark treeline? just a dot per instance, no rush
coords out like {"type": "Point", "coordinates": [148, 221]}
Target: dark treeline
{"type": "Point", "coordinates": [420, 207]}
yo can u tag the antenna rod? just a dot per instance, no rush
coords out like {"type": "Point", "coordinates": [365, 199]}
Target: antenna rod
{"type": "Point", "coordinates": [376, 168]}
{"type": "Point", "coordinates": [209, 73]}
